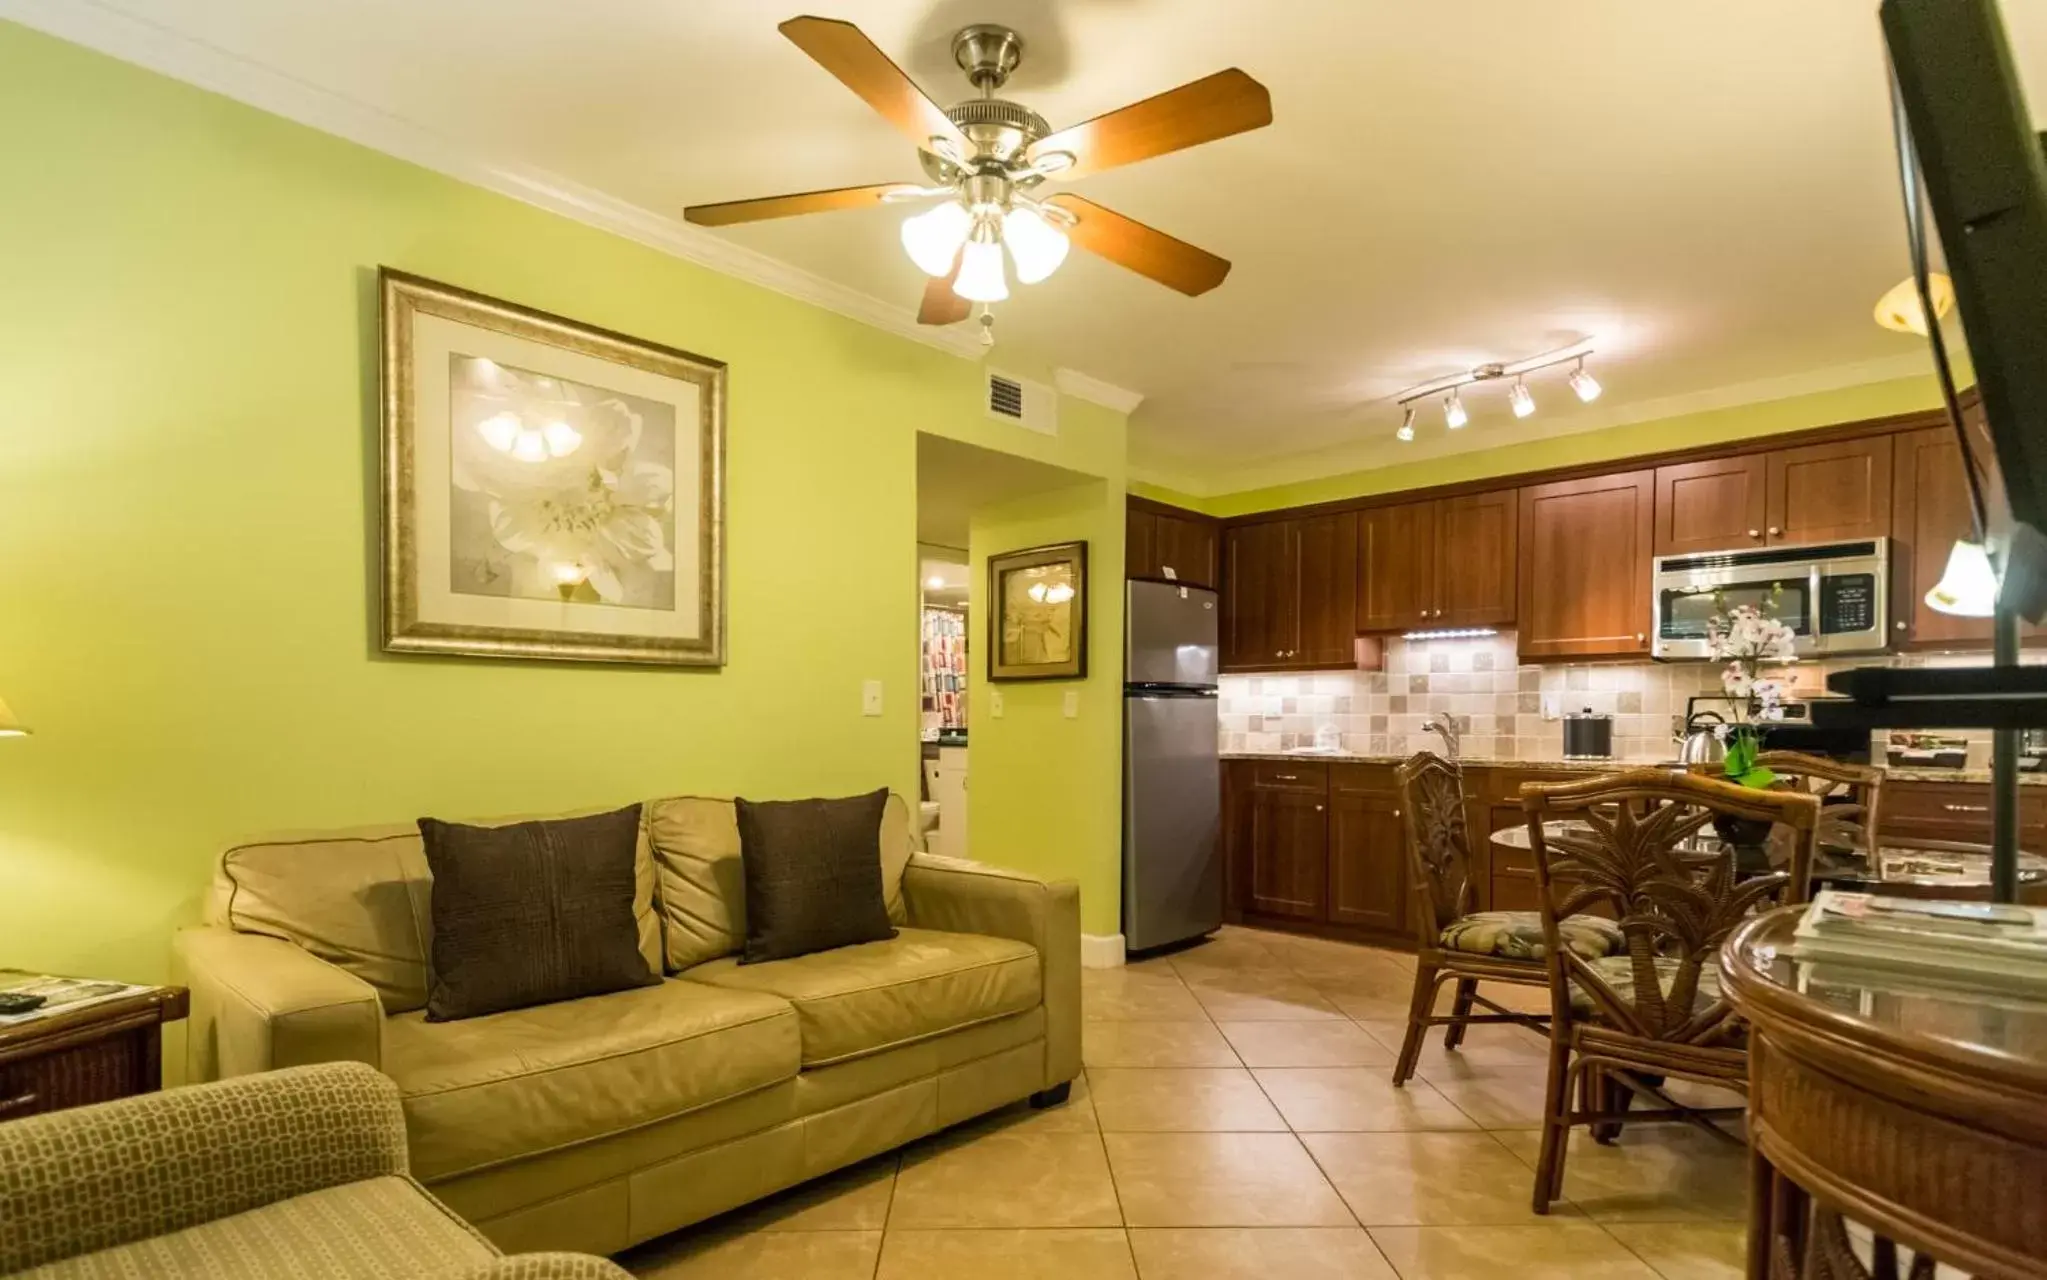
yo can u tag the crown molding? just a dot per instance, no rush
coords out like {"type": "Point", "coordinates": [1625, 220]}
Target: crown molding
{"type": "Point", "coordinates": [1082, 386]}
{"type": "Point", "coordinates": [170, 53]}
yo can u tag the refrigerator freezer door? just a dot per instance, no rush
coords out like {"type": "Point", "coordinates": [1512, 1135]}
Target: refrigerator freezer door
{"type": "Point", "coordinates": [1170, 634]}
{"type": "Point", "coordinates": [1172, 820]}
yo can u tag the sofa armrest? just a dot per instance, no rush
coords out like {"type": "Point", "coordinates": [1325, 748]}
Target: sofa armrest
{"type": "Point", "coordinates": [541, 1266]}
{"type": "Point", "coordinates": [259, 1003]}
{"type": "Point", "coordinates": [73, 1182]}
{"type": "Point", "coordinates": [970, 897]}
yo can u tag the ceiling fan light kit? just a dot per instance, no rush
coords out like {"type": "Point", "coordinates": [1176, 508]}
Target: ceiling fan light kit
{"type": "Point", "coordinates": [986, 157]}
{"type": "Point", "coordinates": [1520, 398]}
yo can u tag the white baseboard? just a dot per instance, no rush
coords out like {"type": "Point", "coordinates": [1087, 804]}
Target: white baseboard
{"type": "Point", "coordinates": [1101, 950]}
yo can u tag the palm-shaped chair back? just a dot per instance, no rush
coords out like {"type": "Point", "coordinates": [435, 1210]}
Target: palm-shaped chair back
{"type": "Point", "coordinates": [1629, 853]}
{"type": "Point", "coordinates": [1844, 823]}
{"type": "Point", "coordinates": [1438, 842]}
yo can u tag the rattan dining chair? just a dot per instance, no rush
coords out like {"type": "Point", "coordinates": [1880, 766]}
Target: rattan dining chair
{"type": "Point", "coordinates": [1454, 942]}
{"type": "Point", "coordinates": [1850, 795]}
{"type": "Point", "coordinates": [1622, 1024]}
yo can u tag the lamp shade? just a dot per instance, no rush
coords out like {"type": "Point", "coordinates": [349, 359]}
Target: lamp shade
{"type": "Point", "coordinates": [9, 726]}
{"type": "Point", "coordinates": [1968, 588]}
{"type": "Point", "coordinates": [1899, 309]}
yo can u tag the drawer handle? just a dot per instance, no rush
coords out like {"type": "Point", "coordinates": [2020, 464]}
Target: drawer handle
{"type": "Point", "coordinates": [1966, 808]}
{"type": "Point", "coordinates": [20, 1102]}
{"type": "Point", "coordinates": [1286, 777]}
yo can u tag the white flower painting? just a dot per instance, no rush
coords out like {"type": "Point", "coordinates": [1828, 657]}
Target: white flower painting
{"type": "Point", "coordinates": [559, 491]}
{"type": "Point", "coordinates": [552, 490]}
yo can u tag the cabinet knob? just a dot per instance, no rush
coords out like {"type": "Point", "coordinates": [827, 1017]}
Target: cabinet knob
{"type": "Point", "coordinates": [1640, 636]}
{"type": "Point", "coordinates": [1774, 531]}
{"type": "Point", "coordinates": [1318, 808]}
{"type": "Point", "coordinates": [1755, 533]}
{"type": "Point", "coordinates": [1898, 626]}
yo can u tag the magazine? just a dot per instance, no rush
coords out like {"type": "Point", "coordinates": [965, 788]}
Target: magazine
{"type": "Point", "coordinates": [1996, 944]}
{"type": "Point", "coordinates": [60, 995]}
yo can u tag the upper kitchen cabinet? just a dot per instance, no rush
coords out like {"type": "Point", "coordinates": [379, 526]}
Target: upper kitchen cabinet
{"type": "Point", "coordinates": [1477, 540]}
{"type": "Point", "coordinates": [1585, 551]}
{"type": "Point", "coordinates": [1446, 563]}
{"type": "Point", "coordinates": [1929, 511]}
{"type": "Point", "coordinates": [1290, 594]}
{"type": "Point", "coordinates": [1715, 505]}
{"type": "Point", "coordinates": [1396, 567]}
{"type": "Point", "coordinates": [1830, 492]}
{"type": "Point", "coordinates": [1162, 543]}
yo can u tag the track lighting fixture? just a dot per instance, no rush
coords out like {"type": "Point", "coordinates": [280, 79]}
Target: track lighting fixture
{"type": "Point", "coordinates": [1454, 415]}
{"type": "Point", "coordinates": [1520, 397]}
{"type": "Point", "coordinates": [1585, 384]}
{"type": "Point", "coordinates": [1522, 402]}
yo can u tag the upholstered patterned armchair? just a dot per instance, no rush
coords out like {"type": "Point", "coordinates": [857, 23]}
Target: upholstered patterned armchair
{"type": "Point", "coordinates": [300, 1172]}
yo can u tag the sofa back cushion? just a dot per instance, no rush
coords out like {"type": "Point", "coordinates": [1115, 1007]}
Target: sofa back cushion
{"type": "Point", "coordinates": [694, 845]}
{"type": "Point", "coordinates": [361, 899]}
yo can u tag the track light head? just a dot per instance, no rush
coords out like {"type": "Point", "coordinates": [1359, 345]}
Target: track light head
{"type": "Point", "coordinates": [1585, 384]}
{"type": "Point", "coordinates": [1406, 432]}
{"type": "Point", "coordinates": [1453, 411]}
{"type": "Point", "coordinates": [1520, 399]}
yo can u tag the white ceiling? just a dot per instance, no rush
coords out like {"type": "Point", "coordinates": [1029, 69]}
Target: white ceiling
{"type": "Point", "coordinates": [1704, 186]}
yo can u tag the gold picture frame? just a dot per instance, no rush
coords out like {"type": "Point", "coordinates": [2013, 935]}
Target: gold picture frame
{"type": "Point", "coordinates": [1037, 613]}
{"type": "Point", "coordinates": [551, 490]}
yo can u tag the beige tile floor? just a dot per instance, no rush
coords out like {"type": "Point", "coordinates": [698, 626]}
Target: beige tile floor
{"type": "Point", "coordinates": [1235, 1120]}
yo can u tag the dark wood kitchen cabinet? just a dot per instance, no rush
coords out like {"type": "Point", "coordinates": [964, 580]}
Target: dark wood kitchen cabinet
{"type": "Point", "coordinates": [1447, 563]}
{"type": "Point", "coordinates": [1585, 552]}
{"type": "Point", "coordinates": [1290, 589]}
{"type": "Point", "coordinates": [1162, 544]}
{"type": "Point", "coordinates": [1830, 492]}
{"type": "Point", "coordinates": [1286, 867]}
{"type": "Point", "coordinates": [1929, 511]}
{"type": "Point", "coordinates": [1367, 848]}
{"type": "Point", "coordinates": [1714, 505]}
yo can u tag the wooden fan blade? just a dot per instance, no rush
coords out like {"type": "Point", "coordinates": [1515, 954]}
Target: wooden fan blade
{"type": "Point", "coordinates": [731, 211]}
{"type": "Point", "coordinates": [941, 305]}
{"type": "Point", "coordinates": [1209, 108]}
{"type": "Point", "coordinates": [1145, 250]}
{"type": "Point", "coordinates": [842, 49]}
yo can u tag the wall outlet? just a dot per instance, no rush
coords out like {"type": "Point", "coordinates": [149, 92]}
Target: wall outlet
{"type": "Point", "coordinates": [1069, 706]}
{"type": "Point", "coordinates": [870, 698]}
{"type": "Point", "coordinates": [995, 703]}
{"type": "Point", "coordinates": [1550, 709]}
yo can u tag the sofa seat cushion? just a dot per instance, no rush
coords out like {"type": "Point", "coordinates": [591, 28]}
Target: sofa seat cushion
{"type": "Point", "coordinates": [507, 1085]}
{"type": "Point", "coordinates": [371, 1230]}
{"type": "Point", "coordinates": [863, 999]}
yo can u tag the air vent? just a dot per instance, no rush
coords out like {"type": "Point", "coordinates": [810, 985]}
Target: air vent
{"type": "Point", "coordinates": [1030, 405]}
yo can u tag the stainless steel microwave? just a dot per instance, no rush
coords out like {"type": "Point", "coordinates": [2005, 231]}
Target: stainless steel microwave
{"type": "Point", "coordinates": [1835, 596]}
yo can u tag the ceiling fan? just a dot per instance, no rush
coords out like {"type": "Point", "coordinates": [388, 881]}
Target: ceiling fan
{"type": "Point", "coordinates": [986, 157]}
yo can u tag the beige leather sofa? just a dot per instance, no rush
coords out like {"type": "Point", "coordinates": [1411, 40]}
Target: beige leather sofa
{"type": "Point", "coordinates": [595, 1124]}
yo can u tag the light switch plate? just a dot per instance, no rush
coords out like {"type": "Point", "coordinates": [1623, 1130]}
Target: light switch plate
{"type": "Point", "coordinates": [870, 698]}
{"type": "Point", "coordinates": [995, 703]}
{"type": "Point", "coordinates": [1070, 704]}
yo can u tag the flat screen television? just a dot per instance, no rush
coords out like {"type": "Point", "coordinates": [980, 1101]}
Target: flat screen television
{"type": "Point", "coordinates": [1967, 143]}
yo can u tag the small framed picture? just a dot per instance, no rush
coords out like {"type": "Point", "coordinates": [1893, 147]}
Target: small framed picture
{"type": "Point", "coordinates": [1037, 615]}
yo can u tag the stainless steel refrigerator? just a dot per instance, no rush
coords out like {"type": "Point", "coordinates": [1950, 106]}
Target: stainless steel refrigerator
{"type": "Point", "coordinates": [1172, 780]}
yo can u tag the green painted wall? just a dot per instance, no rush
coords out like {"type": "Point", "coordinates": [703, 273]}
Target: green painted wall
{"type": "Point", "coordinates": [1716, 426]}
{"type": "Point", "coordinates": [187, 516]}
{"type": "Point", "coordinates": [1045, 792]}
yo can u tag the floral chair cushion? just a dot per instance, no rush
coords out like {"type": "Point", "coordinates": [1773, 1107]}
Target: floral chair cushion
{"type": "Point", "coordinates": [1517, 935]}
{"type": "Point", "coordinates": [1617, 972]}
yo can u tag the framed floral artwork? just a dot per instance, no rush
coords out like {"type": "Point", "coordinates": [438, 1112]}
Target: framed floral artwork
{"type": "Point", "coordinates": [1037, 616]}
{"type": "Point", "coordinates": [551, 490]}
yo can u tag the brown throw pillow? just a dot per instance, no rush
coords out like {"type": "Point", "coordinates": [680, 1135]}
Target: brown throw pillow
{"type": "Point", "coordinates": [532, 913]}
{"type": "Point", "coordinates": [813, 875]}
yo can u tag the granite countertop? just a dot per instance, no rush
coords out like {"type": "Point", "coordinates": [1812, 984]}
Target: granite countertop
{"type": "Point", "coordinates": [1595, 766]}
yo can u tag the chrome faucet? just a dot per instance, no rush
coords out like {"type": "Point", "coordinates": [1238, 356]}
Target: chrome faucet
{"type": "Point", "coordinates": [1446, 727]}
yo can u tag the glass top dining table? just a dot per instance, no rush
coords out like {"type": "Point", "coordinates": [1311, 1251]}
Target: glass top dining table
{"type": "Point", "coordinates": [1924, 867]}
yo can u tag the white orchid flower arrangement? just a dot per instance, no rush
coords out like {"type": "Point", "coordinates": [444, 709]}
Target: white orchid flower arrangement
{"type": "Point", "coordinates": [1745, 638]}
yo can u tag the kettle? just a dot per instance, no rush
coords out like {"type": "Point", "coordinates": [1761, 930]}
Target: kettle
{"type": "Point", "coordinates": [1700, 745]}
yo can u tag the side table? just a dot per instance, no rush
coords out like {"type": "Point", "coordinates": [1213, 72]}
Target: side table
{"type": "Point", "coordinates": [94, 1054]}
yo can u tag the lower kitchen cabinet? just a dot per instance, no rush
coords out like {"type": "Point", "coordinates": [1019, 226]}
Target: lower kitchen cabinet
{"type": "Point", "coordinates": [1957, 813]}
{"type": "Point", "coordinates": [1367, 848]}
{"type": "Point", "coordinates": [1314, 844]}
